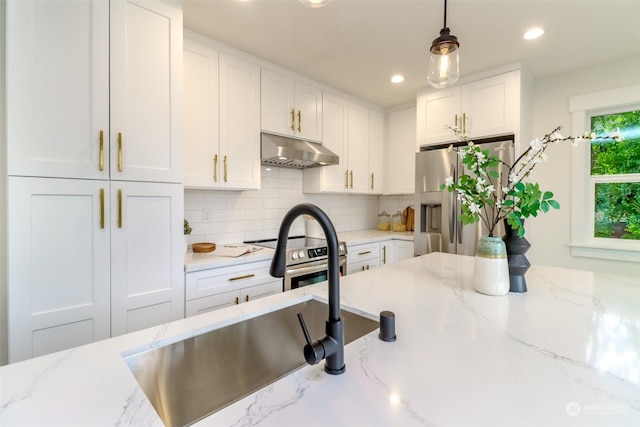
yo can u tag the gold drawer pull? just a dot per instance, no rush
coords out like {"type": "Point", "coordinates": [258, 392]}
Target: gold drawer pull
{"type": "Point", "coordinates": [364, 253]}
{"type": "Point", "coordinates": [102, 208]}
{"type": "Point", "coordinates": [346, 179]}
{"type": "Point", "coordinates": [225, 168]}
{"type": "Point", "coordinates": [101, 151]}
{"type": "Point", "coordinates": [246, 276]}
{"type": "Point", "coordinates": [237, 300]}
{"type": "Point", "coordinates": [293, 115]}
{"type": "Point", "coordinates": [299, 121]}
{"type": "Point", "coordinates": [119, 151]}
{"type": "Point", "coordinates": [246, 298]}
{"type": "Point", "coordinates": [119, 208]}
{"type": "Point", "coordinates": [351, 173]}
{"type": "Point", "coordinates": [215, 168]}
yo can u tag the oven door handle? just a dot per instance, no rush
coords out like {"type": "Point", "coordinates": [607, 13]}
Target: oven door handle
{"type": "Point", "coordinates": [297, 271]}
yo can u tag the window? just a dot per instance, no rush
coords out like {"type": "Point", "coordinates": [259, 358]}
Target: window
{"type": "Point", "coordinates": [615, 168]}
{"type": "Point", "coordinates": [606, 176]}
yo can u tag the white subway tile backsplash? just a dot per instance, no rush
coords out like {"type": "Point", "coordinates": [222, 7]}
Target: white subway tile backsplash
{"type": "Point", "coordinates": [236, 216]}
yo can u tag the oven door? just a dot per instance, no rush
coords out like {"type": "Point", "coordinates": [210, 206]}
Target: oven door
{"type": "Point", "coordinates": [307, 274]}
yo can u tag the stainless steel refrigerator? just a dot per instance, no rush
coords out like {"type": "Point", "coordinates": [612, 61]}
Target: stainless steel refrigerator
{"type": "Point", "coordinates": [437, 228]}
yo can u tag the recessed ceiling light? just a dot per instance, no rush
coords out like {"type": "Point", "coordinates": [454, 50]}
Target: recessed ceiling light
{"type": "Point", "coordinates": [533, 33]}
{"type": "Point", "coordinates": [398, 78]}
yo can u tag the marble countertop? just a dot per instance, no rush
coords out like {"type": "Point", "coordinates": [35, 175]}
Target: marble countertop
{"type": "Point", "coordinates": [203, 261]}
{"type": "Point", "coordinates": [565, 353]}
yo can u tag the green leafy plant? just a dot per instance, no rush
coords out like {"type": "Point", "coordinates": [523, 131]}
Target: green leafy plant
{"type": "Point", "coordinates": [488, 196]}
{"type": "Point", "coordinates": [187, 227]}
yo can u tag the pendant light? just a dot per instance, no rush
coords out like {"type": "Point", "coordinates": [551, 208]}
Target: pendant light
{"type": "Point", "coordinates": [444, 63]}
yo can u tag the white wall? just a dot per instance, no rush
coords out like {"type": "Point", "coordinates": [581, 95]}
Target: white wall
{"type": "Point", "coordinates": [236, 216]}
{"type": "Point", "coordinates": [549, 234]}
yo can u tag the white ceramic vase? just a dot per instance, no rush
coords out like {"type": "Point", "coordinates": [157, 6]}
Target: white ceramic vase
{"type": "Point", "coordinates": [491, 267]}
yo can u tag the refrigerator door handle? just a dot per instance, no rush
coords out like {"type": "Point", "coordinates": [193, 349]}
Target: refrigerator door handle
{"type": "Point", "coordinates": [451, 210]}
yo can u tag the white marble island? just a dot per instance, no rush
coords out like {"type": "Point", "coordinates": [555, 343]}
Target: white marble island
{"type": "Point", "coordinates": [565, 353]}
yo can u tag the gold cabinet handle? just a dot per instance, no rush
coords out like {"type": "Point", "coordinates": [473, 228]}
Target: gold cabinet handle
{"type": "Point", "coordinates": [351, 174]}
{"type": "Point", "coordinates": [246, 298]}
{"type": "Point", "coordinates": [456, 121]}
{"type": "Point", "coordinates": [215, 168]}
{"type": "Point", "coordinates": [237, 300]}
{"type": "Point", "coordinates": [246, 276]}
{"type": "Point", "coordinates": [119, 151]}
{"type": "Point", "coordinates": [102, 208]}
{"type": "Point", "coordinates": [293, 115]}
{"type": "Point", "coordinates": [464, 122]}
{"type": "Point", "coordinates": [346, 179]}
{"type": "Point", "coordinates": [384, 254]}
{"type": "Point", "coordinates": [101, 151]}
{"type": "Point", "coordinates": [362, 268]}
{"type": "Point", "coordinates": [225, 168]}
{"type": "Point", "coordinates": [119, 208]}
{"type": "Point", "coordinates": [299, 121]}
{"type": "Point", "coordinates": [364, 253]}
{"type": "Point", "coordinates": [372, 181]}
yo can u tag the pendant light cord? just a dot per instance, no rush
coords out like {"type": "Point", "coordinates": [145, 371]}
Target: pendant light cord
{"type": "Point", "coordinates": [445, 14]}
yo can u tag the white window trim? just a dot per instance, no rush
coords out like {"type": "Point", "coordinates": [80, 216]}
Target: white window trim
{"type": "Point", "coordinates": [583, 244]}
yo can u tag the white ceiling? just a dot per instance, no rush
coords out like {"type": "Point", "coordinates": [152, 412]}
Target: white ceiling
{"type": "Point", "coordinates": [356, 45]}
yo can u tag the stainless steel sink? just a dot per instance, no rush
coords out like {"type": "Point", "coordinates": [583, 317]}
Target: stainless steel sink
{"type": "Point", "coordinates": [190, 379]}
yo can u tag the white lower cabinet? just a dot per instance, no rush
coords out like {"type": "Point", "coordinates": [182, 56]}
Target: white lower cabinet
{"type": "Point", "coordinates": [396, 250]}
{"type": "Point", "coordinates": [363, 257]}
{"type": "Point", "coordinates": [90, 259]}
{"type": "Point", "coordinates": [366, 256]}
{"type": "Point", "coordinates": [215, 288]}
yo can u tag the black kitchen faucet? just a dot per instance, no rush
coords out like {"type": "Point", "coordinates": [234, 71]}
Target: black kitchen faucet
{"type": "Point", "coordinates": [331, 347]}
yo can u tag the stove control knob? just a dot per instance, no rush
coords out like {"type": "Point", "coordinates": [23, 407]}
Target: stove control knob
{"type": "Point", "coordinates": [294, 255]}
{"type": "Point", "coordinates": [341, 248]}
{"type": "Point", "coordinates": [301, 254]}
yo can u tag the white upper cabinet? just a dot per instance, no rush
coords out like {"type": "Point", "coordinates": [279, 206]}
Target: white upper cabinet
{"type": "Point", "coordinates": [485, 107]}
{"type": "Point", "coordinates": [239, 159]}
{"type": "Point", "coordinates": [58, 88]}
{"type": "Point", "coordinates": [222, 120]}
{"type": "Point", "coordinates": [99, 100]}
{"type": "Point", "coordinates": [377, 176]}
{"type": "Point", "coordinates": [146, 91]}
{"type": "Point", "coordinates": [401, 151]}
{"type": "Point", "coordinates": [290, 107]}
{"type": "Point", "coordinates": [347, 129]}
{"type": "Point", "coordinates": [358, 148]}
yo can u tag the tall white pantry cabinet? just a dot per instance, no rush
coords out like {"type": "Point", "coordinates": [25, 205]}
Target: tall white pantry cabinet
{"type": "Point", "coordinates": [94, 150]}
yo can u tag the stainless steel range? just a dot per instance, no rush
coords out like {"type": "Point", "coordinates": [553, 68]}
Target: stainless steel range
{"type": "Point", "coordinates": [306, 260]}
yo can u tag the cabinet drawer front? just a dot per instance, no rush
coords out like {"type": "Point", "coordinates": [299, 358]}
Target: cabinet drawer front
{"type": "Point", "coordinates": [210, 303]}
{"type": "Point", "coordinates": [214, 281]}
{"type": "Point", "coordinates": [363, 252]}
{"type": "Point", "coordinates": [360, 266]}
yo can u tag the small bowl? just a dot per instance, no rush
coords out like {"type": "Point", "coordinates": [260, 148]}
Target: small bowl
{"type": "Point", "coordinates": [203, 247]}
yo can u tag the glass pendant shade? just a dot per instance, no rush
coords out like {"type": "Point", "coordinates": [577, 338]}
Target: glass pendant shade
{"type": "Point", "coordinates": [444, 69]}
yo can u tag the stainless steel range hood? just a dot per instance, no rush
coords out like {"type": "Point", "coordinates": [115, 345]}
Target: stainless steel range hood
{"type": "Point", "coordinates": [295, 153]}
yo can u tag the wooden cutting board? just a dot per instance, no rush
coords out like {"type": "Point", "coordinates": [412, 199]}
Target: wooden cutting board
{"type": "Point", "coordinates": [410, 215]}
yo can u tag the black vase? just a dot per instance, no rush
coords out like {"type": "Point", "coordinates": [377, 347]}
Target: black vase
{"type": "Point", "coordinates": [518, 263]}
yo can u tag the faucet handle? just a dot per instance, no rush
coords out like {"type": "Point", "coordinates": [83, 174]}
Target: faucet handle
{"type": "Point", "coordinates": [314, 352]}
